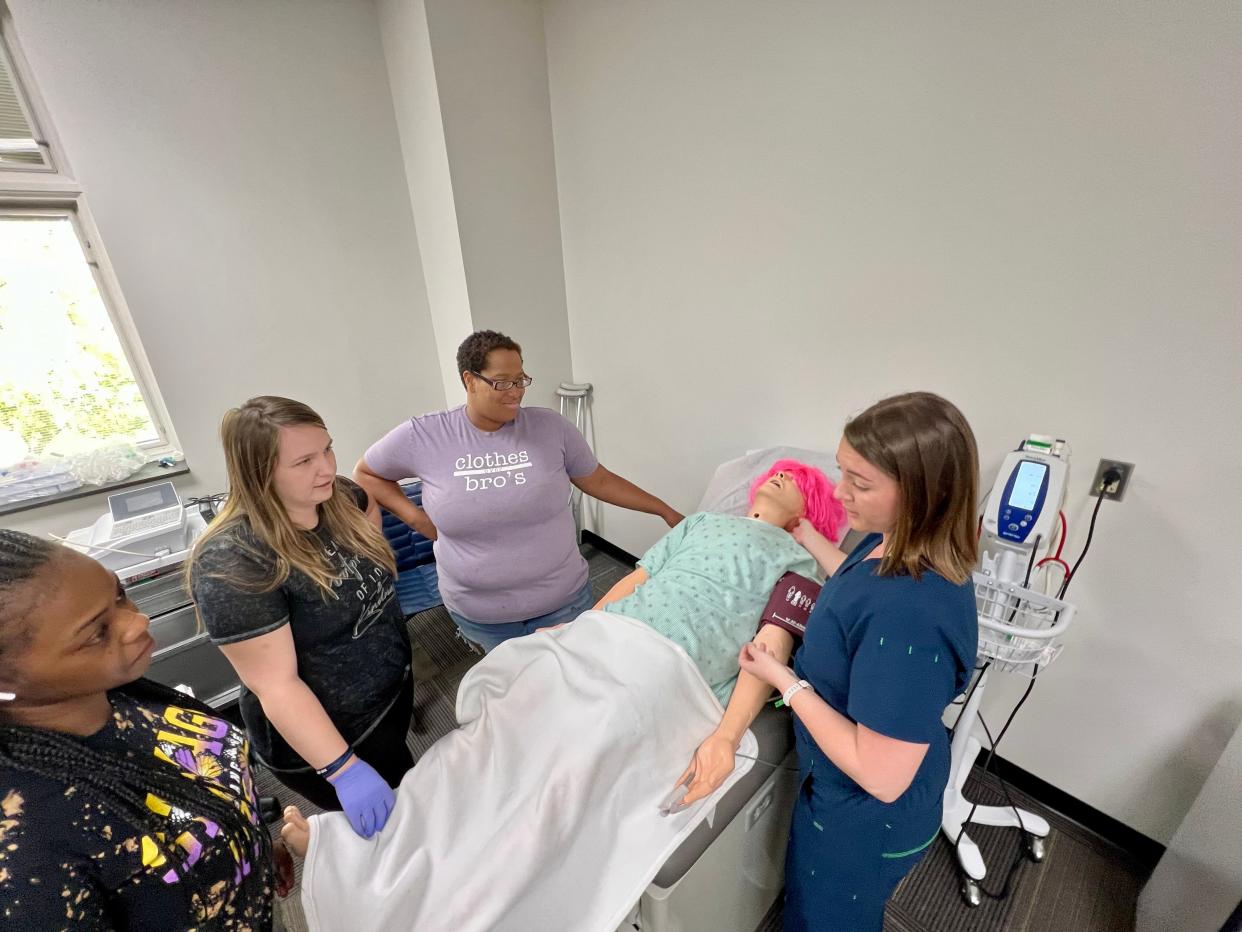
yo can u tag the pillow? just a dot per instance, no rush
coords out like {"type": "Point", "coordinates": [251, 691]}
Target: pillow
{"type": "Point", "coordinates": [728, 492]}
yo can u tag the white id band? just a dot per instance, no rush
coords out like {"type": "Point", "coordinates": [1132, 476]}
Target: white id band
{"type": "Point", "coordinates": [789, 693]}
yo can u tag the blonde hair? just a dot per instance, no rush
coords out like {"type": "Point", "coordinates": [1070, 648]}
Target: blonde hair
{"type": "Point", "coordinates": [925, 444]}
{"type": "Point", "coordinates": [250, 435]}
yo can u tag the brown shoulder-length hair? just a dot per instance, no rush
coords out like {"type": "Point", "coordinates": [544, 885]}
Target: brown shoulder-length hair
{"type": "Point", "coordinates": [251, 438]}
{"type": "Point", "coordinates": [926, 445]}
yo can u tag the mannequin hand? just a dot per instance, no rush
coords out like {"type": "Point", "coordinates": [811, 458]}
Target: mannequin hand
{"type": "Point", "coordinates": [365, 797]}
{"type": "Point", "coordinates": [711, 764]}
{"type": "Point", "coordinates": [805, 534]}
{"type": "Point", "coordinates": [759, 662]}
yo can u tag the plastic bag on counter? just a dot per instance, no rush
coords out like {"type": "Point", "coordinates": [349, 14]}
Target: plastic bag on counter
{"type": "Point", "coordinates": [109, 463]}
{"type": "Point", "coordinates": [95, 462]}
{"type": "Point", "coordinates": [33, 478]}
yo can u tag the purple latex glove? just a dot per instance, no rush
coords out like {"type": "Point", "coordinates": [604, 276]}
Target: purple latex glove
{"type": "Point", "coordinates": [365, 797]}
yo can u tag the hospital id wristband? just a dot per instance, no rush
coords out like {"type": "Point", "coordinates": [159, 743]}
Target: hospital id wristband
{"type": "Point", "coordinates": [332, 768]}
{"type": "Point", "coordinates": [788, 694]}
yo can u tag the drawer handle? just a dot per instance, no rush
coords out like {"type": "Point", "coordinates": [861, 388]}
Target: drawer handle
{"type": "Point", "coordinates": [180, 646]}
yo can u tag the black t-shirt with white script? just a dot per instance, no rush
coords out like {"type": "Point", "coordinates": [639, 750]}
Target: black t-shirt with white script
{"type": "Point", "coordinates": [352, 647]}
{"type": "Point", "coordinates": [69, 861]}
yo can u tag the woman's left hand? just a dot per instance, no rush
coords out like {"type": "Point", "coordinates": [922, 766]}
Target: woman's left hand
{"type": "Point", "coordinates": [673, 518]}
{"type": "Point", "coordinates": [758, 661]}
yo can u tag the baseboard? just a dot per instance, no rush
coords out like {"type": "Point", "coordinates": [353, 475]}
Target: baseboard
{"type": "Point", "coordinates": [605, 546]}
{"type": "Point", "coordinates": [1146, 851]}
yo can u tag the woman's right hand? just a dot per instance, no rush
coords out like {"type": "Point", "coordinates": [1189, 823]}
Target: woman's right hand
{"type": "Point", "coordinates": [827, 554]}
{"type": "Point", "coordinates": [805, 534]}
{"type": "Point", "coordinates": [711, 765]}
{"type": "Point", "coordinates": [364, 796]}
{"type": "Point", "coordinates": [758, 660]}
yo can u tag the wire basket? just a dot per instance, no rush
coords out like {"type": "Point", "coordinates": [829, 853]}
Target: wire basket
{"type": "Point", "coordinates": [1019, 629]}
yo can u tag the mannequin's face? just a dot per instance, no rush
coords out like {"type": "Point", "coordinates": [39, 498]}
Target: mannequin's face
{"type": "Point", "coordinates": [782, 499]}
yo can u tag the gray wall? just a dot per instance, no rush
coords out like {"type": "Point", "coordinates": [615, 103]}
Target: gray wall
{"type": "Point", "coordinates": [470, 82]}
{"type": "Point", "coordinates": [770, 215]}
{"type": "Point", "coordinates": [491, 70]}
{"type": "Point", "coordinates": [776, 213]}
{"type": "Point", "coordinates": [1198, 882]}
{"type": "Point", "coordinates": [242, 163]}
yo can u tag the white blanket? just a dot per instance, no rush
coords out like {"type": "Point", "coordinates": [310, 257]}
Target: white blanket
{"type": "Point", "coordinates": [541, 811]}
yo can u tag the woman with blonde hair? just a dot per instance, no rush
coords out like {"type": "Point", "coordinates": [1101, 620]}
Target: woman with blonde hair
{"type": "Point", "coordinates": [294, 582]}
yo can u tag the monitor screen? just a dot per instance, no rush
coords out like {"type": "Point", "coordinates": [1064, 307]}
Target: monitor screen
{"type": "Point", "coordinates": [143, 501]}
{"type": "Point", "coordinates": [1027, 485]}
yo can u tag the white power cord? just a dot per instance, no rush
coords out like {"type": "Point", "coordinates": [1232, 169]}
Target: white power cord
{"type": "Point", "coordinates": [87, 548]}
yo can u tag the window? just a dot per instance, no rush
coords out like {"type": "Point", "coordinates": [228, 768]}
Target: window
{"type": "Point", "coordinates": [62, 366]}
{"type": "Point", "coordinates": [73, 376]}
{"type": "Point", "coordinates": [20, 145]}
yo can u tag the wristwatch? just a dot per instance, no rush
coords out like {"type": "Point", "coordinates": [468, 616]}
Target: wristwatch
{"type": "Point", "coordinates": [788, 694]}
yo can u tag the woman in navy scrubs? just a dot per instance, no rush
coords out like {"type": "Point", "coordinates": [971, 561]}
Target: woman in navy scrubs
{"type": "Point", "coordinates": [891, 641]}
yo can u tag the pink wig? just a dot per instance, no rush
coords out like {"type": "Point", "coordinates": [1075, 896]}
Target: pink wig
{"type": "Point", "coordinates": [822, 510]}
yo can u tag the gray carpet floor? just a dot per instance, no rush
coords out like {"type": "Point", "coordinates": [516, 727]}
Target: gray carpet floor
{"type": "Point", "coordinates": [1084, 883]}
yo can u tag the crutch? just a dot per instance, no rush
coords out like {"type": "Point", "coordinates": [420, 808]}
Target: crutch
{"type": "Point", "coordinates": [577, 396]}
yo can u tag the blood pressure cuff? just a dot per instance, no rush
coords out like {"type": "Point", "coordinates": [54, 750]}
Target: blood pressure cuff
{"type": "Point", "coordinates": [791, 604]}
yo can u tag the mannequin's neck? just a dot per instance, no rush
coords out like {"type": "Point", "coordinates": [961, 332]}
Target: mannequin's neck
{"type": "Point", "coordinates": [770, 513]}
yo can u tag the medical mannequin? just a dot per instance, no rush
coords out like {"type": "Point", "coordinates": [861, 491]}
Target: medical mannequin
{"type": "Point", "coordinates": [704, 584]}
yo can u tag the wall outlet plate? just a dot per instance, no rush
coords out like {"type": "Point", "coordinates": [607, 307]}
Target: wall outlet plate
{"type": "Point", "coordinates": [1116, 490]}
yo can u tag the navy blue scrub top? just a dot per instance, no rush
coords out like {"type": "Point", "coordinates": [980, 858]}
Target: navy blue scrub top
{"type": "Point", "coordinates": [890, 653]}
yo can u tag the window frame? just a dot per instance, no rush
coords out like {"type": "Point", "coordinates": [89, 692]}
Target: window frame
{"type": "Point", "coordinates": [53, 191]}
{"type": "Point", "coordinates": [31, 107]}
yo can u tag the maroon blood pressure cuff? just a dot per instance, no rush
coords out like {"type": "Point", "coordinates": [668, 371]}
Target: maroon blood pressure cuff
{"type": "Point", "coordinates": [791, 604]}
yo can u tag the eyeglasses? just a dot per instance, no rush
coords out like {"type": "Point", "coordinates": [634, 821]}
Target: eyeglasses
{"type": "Point", "coordinates": [503, 385]}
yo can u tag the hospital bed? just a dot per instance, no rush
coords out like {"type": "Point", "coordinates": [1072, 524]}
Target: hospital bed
{"type": "Point", "coordinates": [728, 873]}
{"type": "Point", "coordinates": [719, 871]}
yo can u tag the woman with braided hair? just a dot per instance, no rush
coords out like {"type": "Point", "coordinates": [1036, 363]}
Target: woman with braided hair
{"type": "Point", "coordinates": [123, 804]}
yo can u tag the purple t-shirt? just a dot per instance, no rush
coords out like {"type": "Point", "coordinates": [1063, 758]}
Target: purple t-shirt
{"type": "Point", "coordinates": [507, 548]}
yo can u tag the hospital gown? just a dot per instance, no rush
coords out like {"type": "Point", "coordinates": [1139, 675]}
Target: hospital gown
{"type": "Point", "coordinates": [710, 578]}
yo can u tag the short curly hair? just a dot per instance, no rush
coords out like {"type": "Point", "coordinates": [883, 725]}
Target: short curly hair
{"type": "Point", "coordinates": [472, 354]}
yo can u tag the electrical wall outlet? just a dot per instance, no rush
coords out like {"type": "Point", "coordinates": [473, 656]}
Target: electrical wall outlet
{"type": "Point", "coordinates": [1114, 490]}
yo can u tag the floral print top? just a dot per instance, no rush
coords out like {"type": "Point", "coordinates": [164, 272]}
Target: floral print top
{"type": "Point", "coordinates": [68, 861]}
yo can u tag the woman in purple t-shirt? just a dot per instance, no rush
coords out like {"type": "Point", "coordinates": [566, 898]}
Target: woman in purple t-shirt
{"type": "Point", "coordinates": [496, 481]}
